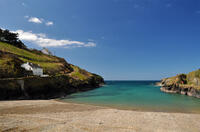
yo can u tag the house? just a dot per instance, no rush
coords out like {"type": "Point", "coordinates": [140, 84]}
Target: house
{"type": "Point", "coordinates": [46, 51]}
{"type": "Point", "coordinates": [36, 69]}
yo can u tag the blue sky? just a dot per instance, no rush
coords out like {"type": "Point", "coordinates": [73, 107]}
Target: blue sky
{"type": "Point", "coordinates": [118, 39]}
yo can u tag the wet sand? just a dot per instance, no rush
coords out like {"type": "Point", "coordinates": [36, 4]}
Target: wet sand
{"type": "Point", "coordinates": [52, 116]}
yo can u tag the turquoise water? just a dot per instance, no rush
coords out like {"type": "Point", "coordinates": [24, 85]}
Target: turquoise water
{"type": "Point", "coordinates": [136, 95]}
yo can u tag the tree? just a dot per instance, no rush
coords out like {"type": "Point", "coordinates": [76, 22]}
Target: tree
{"type": "Point", "coordinates": [11, 38]}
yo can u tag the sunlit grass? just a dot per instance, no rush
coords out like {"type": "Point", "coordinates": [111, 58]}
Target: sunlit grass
{"type": "Point", "coordinates": [45, 65]}
{"type": "Point", "coordinates": [25, 53]}
{"type": "Point", "coordinates": [51, 65]}
{"type": "Point", "coordinates": [192, 80]}
{"type": "Point", "coordinates": [48, 63]}
{"type": "Point", "coordinates": [79, 73]}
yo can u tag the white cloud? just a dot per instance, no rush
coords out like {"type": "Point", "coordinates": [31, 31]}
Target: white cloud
{"type": "Point", "coordinates": [90, 44]}
{"type": "Point", "coordinates": [43, 41]}
{"type": "Point", "coordinates": [49, 23]}
{"type": "Point", "coordinates": [39, 20]}
{"type": "Point", "coordinates": [41, 35]}
{"type": "Point", "coordinates": [35, 20]}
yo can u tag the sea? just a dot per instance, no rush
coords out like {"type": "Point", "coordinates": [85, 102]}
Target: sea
{"type": "Point", "coordinates": [136, 95]}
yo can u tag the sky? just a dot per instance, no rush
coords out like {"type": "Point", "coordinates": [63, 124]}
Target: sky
{"type": "Point", "coordinates": [117, 39]}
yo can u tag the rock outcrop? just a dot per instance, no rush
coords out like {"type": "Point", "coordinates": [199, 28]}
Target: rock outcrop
{"type": "Point", "coordinates": [180, 85]}
{"type": "Point", "coordinates": [45, 88]}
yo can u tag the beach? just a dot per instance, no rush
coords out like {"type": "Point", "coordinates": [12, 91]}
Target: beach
{"type": "Point", "coordinates": [52, 116]}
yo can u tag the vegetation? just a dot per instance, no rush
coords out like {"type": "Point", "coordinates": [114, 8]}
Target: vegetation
{"type": "Point", "coordinates": [11, 66]}
{"type": "Point", "coordinates": [79, 73]}
{"type": "Point", "coordinates": [5, 47]}
{"type": "Point", "coordinates": [11, 38]}
{"type": "Point", "coordinates": [190, 79]}
{"type": "Point", "coordinates": [64, 78]}
{"type": "Point", "coordinates": [193, 78]}
{"type": "Point", "coordinates": [51, 65]}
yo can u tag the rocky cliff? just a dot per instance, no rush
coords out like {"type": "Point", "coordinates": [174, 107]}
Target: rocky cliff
{"type": "Point", "coordinates": [45, 88]}
{"type": "Point", "coordinates": [186, 84]}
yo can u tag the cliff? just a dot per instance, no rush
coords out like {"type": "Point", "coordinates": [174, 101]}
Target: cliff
{"type": "Point", "coordinates": [64, 78]}
{"type": "Point", "coordinates": [45, 88]}
{"type": "Point", "coordinates": [186, 84]}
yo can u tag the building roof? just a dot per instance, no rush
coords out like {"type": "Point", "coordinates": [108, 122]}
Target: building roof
{"type": "Point", "coordinates": [34, 65]}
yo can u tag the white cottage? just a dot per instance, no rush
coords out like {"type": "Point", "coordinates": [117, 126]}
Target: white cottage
{"type": "Point", "coordinates": [46, 51]}
{"type": "Point", "coordinates": [36, 69]}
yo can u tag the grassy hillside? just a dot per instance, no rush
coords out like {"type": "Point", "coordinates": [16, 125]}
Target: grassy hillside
{"type": "Point", "coordinates": [193, 78]}
{"type": "Point", "coordinates": [12, 57]}
{"type": "Point", "coordinates": [10, 66]}
{"type": "Point", "coordinates": [190, 79]}
{"type": "Point", "coordinates": [79, 73]}
{"type": "Point", "coordinates": [50, 64]}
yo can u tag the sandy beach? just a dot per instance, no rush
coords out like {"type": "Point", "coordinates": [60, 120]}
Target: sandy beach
{"type": "Point", "coordinates": [55, 116]}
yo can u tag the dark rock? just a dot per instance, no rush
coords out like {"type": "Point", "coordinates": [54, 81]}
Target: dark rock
{"type": "Point", "coordinates": [190, 91]}
{"type": "Point", "coordinates": [46, 88]}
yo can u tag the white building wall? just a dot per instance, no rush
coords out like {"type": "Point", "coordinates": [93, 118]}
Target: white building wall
{"type": "Point", "coordinates": [37, 71]}
{"type": "Point", "coordinates": [27, 67]}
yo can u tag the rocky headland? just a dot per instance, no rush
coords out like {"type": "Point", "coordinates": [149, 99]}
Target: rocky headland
{"type": "Point", "coordinates": [58, 78]}
{"type": "Point", "coordinates": [185, 84]}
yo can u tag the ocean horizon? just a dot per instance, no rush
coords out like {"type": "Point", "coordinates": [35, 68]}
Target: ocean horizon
{"type": "Point", "coordinates": [139, 95]}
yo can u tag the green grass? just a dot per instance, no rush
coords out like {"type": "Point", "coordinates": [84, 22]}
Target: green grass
{"type": "Point", "coordinates": [45, 65]}
{"type": "Point", "coordinates": [192, 80]}
{"type": "Point", "coordinates": [4, 60]}
{"type": "Point", "coordinates": [10, 67]}
{"type": "Point", "coordinates": [50, 64]}
{"type": "Point", "coordinates": [24, 53]}
{"type": "Point", "coordinates": [79, 73]}
{"type": "Point", "coordinates": [1, 61]}
{"type": "Point", "coordinates": [194, 74]}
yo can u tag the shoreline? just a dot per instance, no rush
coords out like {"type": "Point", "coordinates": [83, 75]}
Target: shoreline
{"type": "Point", "coordinates": [53, 115]}
{"type": "Point", "coordinates": [187, 91]}
{"type": "Point", "coordinates": [137, 109]}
